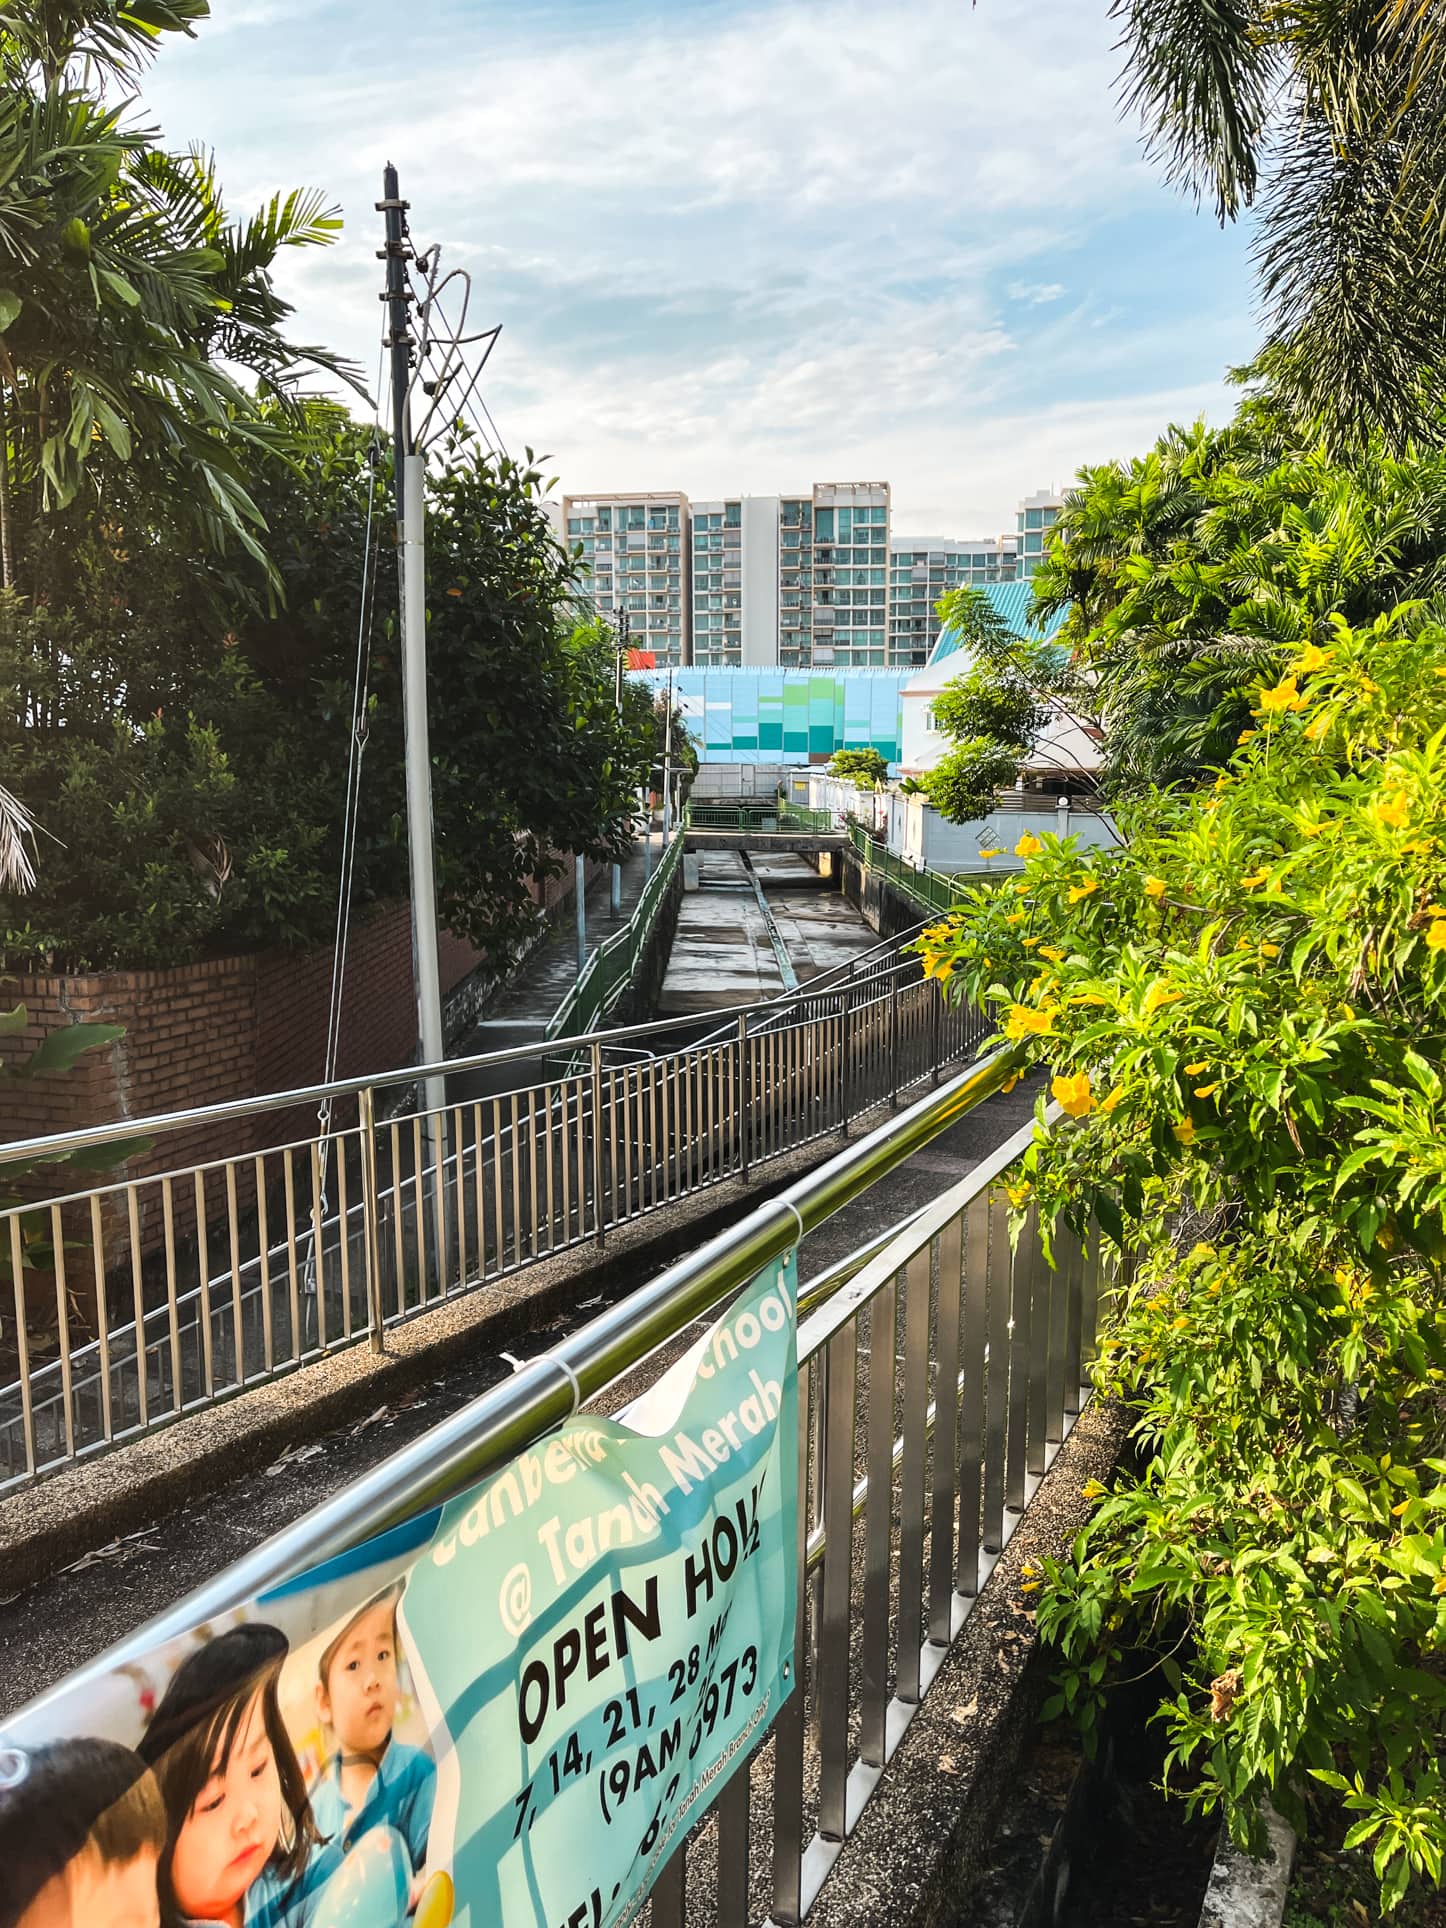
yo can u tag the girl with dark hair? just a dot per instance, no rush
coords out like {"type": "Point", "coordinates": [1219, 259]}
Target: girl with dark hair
{"type": "Point", "coordinates": [239, 1826]}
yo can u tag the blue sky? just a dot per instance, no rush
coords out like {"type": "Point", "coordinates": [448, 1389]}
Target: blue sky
{"type": "Point", "coordinates": [746, 247]}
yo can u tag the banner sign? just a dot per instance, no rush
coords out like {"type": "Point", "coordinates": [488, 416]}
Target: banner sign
{"type": "Point", "coordinates": [506, 1713]}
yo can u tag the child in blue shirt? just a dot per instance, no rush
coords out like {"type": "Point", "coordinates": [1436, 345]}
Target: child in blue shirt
{"type": "Point", "coordinates": [370, 1780]}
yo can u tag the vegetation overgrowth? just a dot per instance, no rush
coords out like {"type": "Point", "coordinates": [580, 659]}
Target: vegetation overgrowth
{"type": "Point", "coordinates": [196, 574]}
{"type": "Point", "coordinates": [1243, 1011]}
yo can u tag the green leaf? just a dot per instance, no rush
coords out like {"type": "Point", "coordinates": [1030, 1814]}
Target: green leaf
{"type": "Point", "coordinates": [10, 307]}
{"type": "Point", "coordinates": [65, 1044]}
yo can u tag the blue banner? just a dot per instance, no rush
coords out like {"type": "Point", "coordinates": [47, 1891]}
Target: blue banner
{"type": "Point", "coordinates": [506, 1713]}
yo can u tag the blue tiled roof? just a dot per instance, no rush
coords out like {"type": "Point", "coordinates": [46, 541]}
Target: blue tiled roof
{"type": "Point", "coordinates": [1011, 600]}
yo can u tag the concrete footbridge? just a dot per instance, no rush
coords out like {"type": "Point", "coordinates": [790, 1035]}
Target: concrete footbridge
{"type": "Point", "coordinates": [752, 826]}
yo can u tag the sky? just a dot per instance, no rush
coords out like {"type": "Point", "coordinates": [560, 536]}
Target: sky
{"type": "Point", "coordinates": [743, 248]}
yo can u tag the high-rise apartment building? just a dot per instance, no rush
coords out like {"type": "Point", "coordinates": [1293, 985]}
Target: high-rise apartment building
{"type": "Point", "coordinates": [634, 556]}
{"type": "Point", "coordinates": [735, 599]}
{"type": "Point", "coordinates": [850, 557]}
{"type": "Point", "coordinates": [921, 570]}
{"type": "Point", "coordinates": [1037, 513]}
{"type": "Point", "coordinates": [798, 581]}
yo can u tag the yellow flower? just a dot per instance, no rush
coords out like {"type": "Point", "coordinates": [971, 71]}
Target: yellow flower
{"type": "Point", "coordinates": [1419, 847]}
{"type": "Point", "coordinates": [1370, 688]}
{"type": "Point", "coordinates": [1074, 1094]}
{"type": "Point", "coordinates": [1185, 1131]}
{"type": "Point", "coordinates": [1207, 1091]}
{"type": "Point", "coordinates": [1029, 942]}
{"type": "Point", "coordinates": [1108, 1104]}
{"type": "Point", "coordinates": [1016, 917]}
{"type": "Point", "coordinates": [996, 850]}
{"type": "Point", "coordinates": [1246, 735]}
{"type": "Point", "coordinates": [1021, 890]}
{"type": "Point", "coordinates": [1311, 657]}
{"type": "Point", "coordinates": [1025, 1023]}
{"type": "Point", "coordinates": [944, 969]}
{"type": "Point", "coordinates": [1317, 727]}
{"type": "Point", "coordinates": [1018, 1194]}
{"type": "Point", "coordinates": [1079, 891]}
{"type": "Point", "coordinates": [1088, 997]}
{"type": "Point", "coordinates": [1285, 696]}
{"type": "Point", "coordinates": [1053, 953]}
{"type": "Point", "coordinates": [1155, 887]}
{"type": "Point", "coordinates": [1270, 950]}
{"type": "Point", "coordinates": [1255, 880]}
{"type": "Point", "coordinates": [1028, 846]}
{"type": "Point", "coordinates": [1392, 810]}
{"type": "Point", "coordinates": [1158, 995]}
{"type": "Point", "coordinates": [1194, 1070]}
{"type": "Point", "coordinates": [1092, 1490]}
{"type": "Point", "coordinates": [1436, 934]}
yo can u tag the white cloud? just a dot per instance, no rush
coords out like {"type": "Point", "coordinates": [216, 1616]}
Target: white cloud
{"type": "Point", "coordinates": [1036, 294]}
{"type": "Point", "coordinates": [738, 249]}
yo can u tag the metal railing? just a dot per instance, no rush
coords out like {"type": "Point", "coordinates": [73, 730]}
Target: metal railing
{"type": "Point", "coordinates": [931, 888]}
{"type": "Point", "coordinates": [704, 815]}
{"type": "Point", "coordinates": [913, 1472]}
{"type": "Point", "coordinates": [267, 1242]}
{"type": "Point", "coordinates": [614, 964]}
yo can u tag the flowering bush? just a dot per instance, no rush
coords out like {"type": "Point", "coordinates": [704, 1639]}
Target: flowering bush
{"type": "Point", "coordinates": [1244, 1010]}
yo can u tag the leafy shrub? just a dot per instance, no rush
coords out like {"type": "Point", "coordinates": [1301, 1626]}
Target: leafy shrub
{"type": "Point", "coordinates": [1245, 1012]}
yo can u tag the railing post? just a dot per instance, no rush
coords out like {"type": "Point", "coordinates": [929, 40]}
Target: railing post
{"type": "Point", "coordinates": [597, 1142]}
{"type": "Point", "coordinates": [894, 1042]}
{"type": "Point", "coordinates": [846, 1064]}
{"type": "Point", "coordinates": [371, 1222]}
{"type": "Point", "coordinates": [935, 1022]}
{"type": "Point", "coordinates": [743, 1113]}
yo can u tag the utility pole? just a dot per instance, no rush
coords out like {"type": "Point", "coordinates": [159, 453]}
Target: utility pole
{"type": "Point", "coordinates": [668, 766]}
{"type": "Point", "coordinates": [615, 897]}
{"type": "Point", "coordinates": [410, 473]}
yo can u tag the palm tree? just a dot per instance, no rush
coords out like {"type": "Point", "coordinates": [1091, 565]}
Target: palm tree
{"type": "Point", "coordinates": [1329, 116]}
{"type": "Point", "coordinates": [127, 296]}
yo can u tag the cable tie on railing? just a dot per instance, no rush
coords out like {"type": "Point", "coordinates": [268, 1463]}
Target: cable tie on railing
{"type": "Point", "coordinates": [14, 1767]}
{"type": "Point", "coordinates": [798, 1219]}
{"type": "Point", "coordinates": [556, 1359]}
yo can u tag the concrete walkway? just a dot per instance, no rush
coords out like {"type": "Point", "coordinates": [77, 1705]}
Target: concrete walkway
{"type": "Point", "coordinates": [54, 1626]}
{"type": "Point", "coordinates": [521, 1010]}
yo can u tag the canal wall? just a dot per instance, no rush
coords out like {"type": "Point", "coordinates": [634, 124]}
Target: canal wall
{"type": "Point", "coordinates": [883, 906]}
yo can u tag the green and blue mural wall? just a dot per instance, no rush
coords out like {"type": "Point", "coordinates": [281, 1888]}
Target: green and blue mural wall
{"type": "Point", "coordinates": [788, 715]}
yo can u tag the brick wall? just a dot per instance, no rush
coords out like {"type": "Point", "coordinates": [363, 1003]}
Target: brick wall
{"type": "Point", "coordinates": [202, 1034]}
{"type": "Point", "coordinates": [207, 1033]}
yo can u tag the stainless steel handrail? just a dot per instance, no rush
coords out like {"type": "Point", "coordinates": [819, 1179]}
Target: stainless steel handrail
{"type": "Point", "coordinates": [503, 1421]}
{"type": "Point", "coordinates": [56, 1144]}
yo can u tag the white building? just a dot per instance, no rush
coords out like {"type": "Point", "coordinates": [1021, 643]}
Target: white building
{"type": "Point", "coordinates": [1066, 756]}
{"type": "Point", "coordinates": [734, 547]}
{"type": "Point", "coordinates": [924, 568]}
{"type": "Point", "coordinates": [633, 554]}
{"type": "Point", "coordinates": [1036, 514]}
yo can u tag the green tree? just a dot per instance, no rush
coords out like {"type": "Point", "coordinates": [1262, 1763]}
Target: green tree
{"type": "Point", "coordinates": [1244, 1010]}
{"type": "Point", "coordinates": [127, 295]}
{"type": "Point", "coordinates": [865, 769]}
{"type": "Point", "coordinates": [994, 710]}
{"type": "Point", "coordinates": [1186, 575]}
{"type": "Point", "coordinates": [1329, 117]}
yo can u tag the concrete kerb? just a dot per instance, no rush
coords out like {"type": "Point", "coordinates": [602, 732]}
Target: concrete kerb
{"type": "Point", "coordinates": [71, 1512]}
{"type": "Point", "coordinates": [1246, 1892]}
{"type": "Point", "coordinates": [911, 1859]}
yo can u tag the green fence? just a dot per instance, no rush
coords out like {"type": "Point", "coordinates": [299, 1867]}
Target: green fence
{"type": "Point", "coordinates": [931, 888]}
{"type": "Point", "coordinates": [612, 966]}
{"type": "Point", "coordinates": [756, 816]}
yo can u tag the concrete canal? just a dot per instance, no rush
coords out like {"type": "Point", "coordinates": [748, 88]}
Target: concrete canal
{"type": "Point", "coordinates": [752, 927]}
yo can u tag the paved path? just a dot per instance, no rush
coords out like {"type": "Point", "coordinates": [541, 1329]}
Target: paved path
{"type": "Point", "coordinates": [541, 981]}
{"type": "Point", "coordinates": [61, 1622]}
